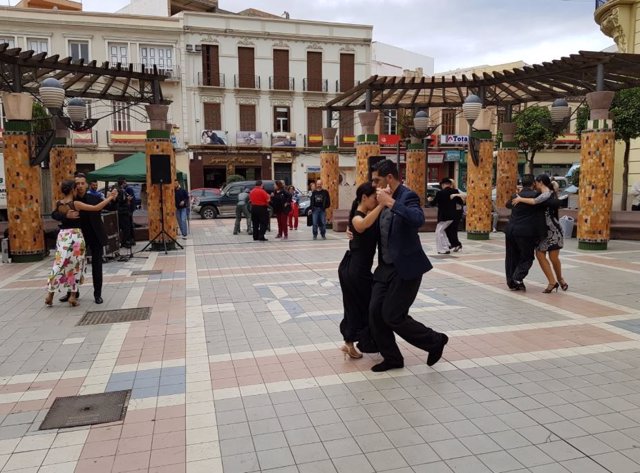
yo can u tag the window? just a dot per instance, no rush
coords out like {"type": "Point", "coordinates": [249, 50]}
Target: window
{"type": "Point", "coordinates": [246, 68]}
{"type": "Point", "coordinates": [346, 128]}
{"type": "Point", "coordinates": [347, 72]}
{"type": "Point", "coordinates": [210, 65]}
{"type": "Point", "coordinates": [118, 53]}
{"type": "Point", "coordinates": [38, 45]}
{"type": "Point", "coordinates": [314, 121]}
{"type": "Point", "coordinates": [448, 126]}
{"type": "Point", "coordinates": [390, 124]}
{"type": "Point", "coordinates": [10, 40]}
{"type": "Point", "coordinates": [79, 50]}
{"type": "Point", "coordinates": [314, 71]}
{"type": "Point", "coordinates": [212, 118]}
{"type": "Point", "coordinates": [281, 122]}
{"type": "Point", "coordinates": [160, 56]}
{"type": "Point", "coordinates": [121, 117]}
{"type": "Point", "coordinates": [281, 69]}
{"type": "Point", "coordinates": [247, 118]}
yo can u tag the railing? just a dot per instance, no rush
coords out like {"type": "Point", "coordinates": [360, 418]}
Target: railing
{"type": "Point", "coordinates": [211, 80]}
{"type": "Point", "coordinates": [600, 3]}
{"type": "Point", "coordinates": [84, 138]}
{"type": "Point", "coordinates": [315, 85]}
{"type": "Point", "coordinates": [115, 137]}
{"type": "Point", "coordinates": [246, 81]}
{"type": "Point", "coordinates": [281, 83]}
{"type": "Point", "coordinates": [170, 72]}
{"type": "Point", "coordinates": [346, 85]}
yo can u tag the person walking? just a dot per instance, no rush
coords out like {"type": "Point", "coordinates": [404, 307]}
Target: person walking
{"type": "Point", "coordinates": [69, 262]}
{"type": "Point", "coordinates": [320, 202]}
{"type": "Point", "coordinates": [354, 271]}
{"type": "Point", "coordinates": [182, 207]}
{"type": "Point", "coordinates": [125, 203]}
{"type": "Point", "coordinates": [553, 242]}
{"type": "Point", "coordinates": [447, 214]}
{"type": "Point", "coordinates": [295, 208]}
{"type": "Point", "coordinates": [635, 191]}
{"type": "Point", "coordinates": [525, 229]}
{"type": "Point", "coordinates": [401, 265]}
{"type": "Point", "coordinates": [242, 210]}
{"type": "Point", "coordinates": [259, 200]}
{"type": "Point", "coordinates": [281, 204]}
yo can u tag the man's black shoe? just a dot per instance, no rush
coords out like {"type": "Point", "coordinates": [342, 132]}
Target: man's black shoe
{"type": "Point", "coordinates": [436, 353]}
{"type": "Point", "coordinates": [264, 239]}
{"type": "Point", "coordinates": [519, 286]}
{"type": "Point", "coordinates": [98, 300]}
{"type": "Point", "coordinates": [66, 298]}
{"type": "Point", "coordinates": [385, 365]}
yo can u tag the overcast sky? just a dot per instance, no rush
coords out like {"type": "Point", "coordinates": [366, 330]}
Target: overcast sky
{"type": "Point", "coordinates": [457, 33]}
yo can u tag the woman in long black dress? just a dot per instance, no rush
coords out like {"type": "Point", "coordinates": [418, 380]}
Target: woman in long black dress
{"type": "Point", "coordinates": [354, 271]}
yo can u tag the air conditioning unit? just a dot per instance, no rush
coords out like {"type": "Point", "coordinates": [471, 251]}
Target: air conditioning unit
{"type": "Point", "coordinates": [198, 48]}
{"type": "Point", "coordinates": [189, 48]}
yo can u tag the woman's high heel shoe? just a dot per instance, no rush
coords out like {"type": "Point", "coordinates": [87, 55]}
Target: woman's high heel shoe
{"type": "Point", "coordinates": [73, 301]}
{"type": "Point", "coordinates": [563, 285]}
{"type": "Point", "coordinates": [550, 288]}
{"type": "Point", "coordinates": [351, 352]}
{"type": "Point", "coordinates": [49, 299]}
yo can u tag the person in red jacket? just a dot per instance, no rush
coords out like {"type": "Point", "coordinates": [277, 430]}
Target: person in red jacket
{"type": "Point", "coordinates": [259, 211]}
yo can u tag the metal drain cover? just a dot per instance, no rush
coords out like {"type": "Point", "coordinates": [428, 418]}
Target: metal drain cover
{"type": "Point", "coordinates": [91, 409]}
{"type": "Point", "coordinates": [149, 272]}
{"type": "Point", "coordinates": [115, 316]}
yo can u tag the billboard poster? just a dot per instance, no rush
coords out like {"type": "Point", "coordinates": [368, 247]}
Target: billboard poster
{"type": "Point", "coordinates": [283, 139]}
{"type": "Point", "coordinates": [249, 138]}
{"type": "Point", "coordinates": [213, 137]}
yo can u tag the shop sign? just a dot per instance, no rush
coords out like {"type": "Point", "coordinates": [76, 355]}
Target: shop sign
{"type": "Point", "coordinates": [435, 158]}
{"type": "Point", "coordinates": [452, 156]}
{"type": "Point", "coordinates": [459, 140]}
{"type": "Point", "coordinates": [313, 168]}
{"type": "Point", "coordinates": [249, 138]}
{"type": "Point", "coordinates": [213, 137]}
{"type": "Point", "coordinates": [389, 140]}
{"type": "Point", "coordinates": [283, 139]}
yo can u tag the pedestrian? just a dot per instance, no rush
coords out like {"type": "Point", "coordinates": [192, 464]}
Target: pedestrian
{"type": "Point", "coordinates": [320, 202]}
{"type": "Point", "coordinates": [295, 208]}
{"type": "Point", "coordinates": [281, 204]}
{"type": "Point", "coordinates": [70, 259]}
{"type": "Point", "coordinates": [458, 198]}
{"type": "Point", "coordinates": [397, 278]}
{"type": "Point", "coordinates": [525, 229]}
{"type": "Point", "coordinates": [259, 200]}
{"type": "Point", "coordinates": [242, 210]}
{"type": "Point", "coordinates": [125, 204]}
{"type": "Point", "coordinates": [446, 215]}
{"type": "Point", "coordinates": [354, 271]}
{"type": "Point", "coordinates": [182, 207]}
{"type": "Point", "coordinates": [553, 241]}
{"type": "Point", "coordinates": [635, 191]}
{"type": "Point", "coordinates": [93, 190]}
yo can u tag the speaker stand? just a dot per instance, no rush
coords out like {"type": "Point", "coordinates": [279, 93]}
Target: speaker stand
{"type": "Point", "coordinates": [162, 232]}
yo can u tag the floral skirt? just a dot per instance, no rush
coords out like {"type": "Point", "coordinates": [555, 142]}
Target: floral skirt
{"type": "Point", "coordinates": [68, 266]}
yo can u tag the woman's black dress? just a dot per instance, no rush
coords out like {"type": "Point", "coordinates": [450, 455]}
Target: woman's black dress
{"type": "Point", "coordinates": [356, 280]}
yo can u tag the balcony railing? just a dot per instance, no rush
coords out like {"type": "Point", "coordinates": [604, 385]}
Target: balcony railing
{"type": "Point", "coordinates": [84, 138]}
{"type": "Point", "coordinates": [246, 81]}
{"type": "Point", "coordinates": [282, 83]}
{"type": "Point", "coordinates": [171, 73]}
{"type": "Point", "coordinates": [211, 80]}
{"type": "Point", "coordinates": [315, 85]}
{"type": "Point", "coordinates": [343, 86]}
{"type": "Point", "coordinates": [115, 137]}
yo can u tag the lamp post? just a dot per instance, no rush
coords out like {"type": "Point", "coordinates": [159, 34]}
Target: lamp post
{"type": "Point", "coordinates": [418, 152]}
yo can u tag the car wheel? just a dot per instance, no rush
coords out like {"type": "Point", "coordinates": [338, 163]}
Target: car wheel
{"type": "Point", "coordinates": [209, 213]}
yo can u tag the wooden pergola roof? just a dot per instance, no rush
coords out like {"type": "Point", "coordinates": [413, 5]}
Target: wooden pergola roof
{"type": "Point", "coordinates": [23, 71]}
{"type": "Point", "coordinates": [572, 76]}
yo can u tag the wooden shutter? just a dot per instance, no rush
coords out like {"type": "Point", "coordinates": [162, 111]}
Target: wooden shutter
{"type": "Point", "coordinates": [314, 71]}
{"type": "Point", "coordinates": [281, 69]}
{"type": "Point", "coordinates": [247, 118]}
{"type": "Point", "coordinates": [314, 126]}
{"type": "Point", "coordinates": [347, 71]}
{"type": "Point", "coordinates": [212, 118]}
{"type": "Point", "coordinates": [210, 65]}
{"type": "Point", "coordinates": [246, 69]}
{"type": "Point", "coordinates": [448, 121]}
{"type": "Point", "coordinates": [347, 137]}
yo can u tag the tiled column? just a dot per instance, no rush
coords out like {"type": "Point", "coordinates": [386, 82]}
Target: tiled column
{"type": "Point", "coordinates": [596, 175]}
{"type": "Point", "coordinates": [330, 168]}
{"type": "Point", "coordinates": [479, 189]}
{"type": "Point", "coordinates": [507, 166]}
{"type": "Point", "coordinates": [416, 170]}
{"type": "Point", "coordinates": [62, 165]}
{"type": "Point", "coordinates": [366, 145]}
{"type": "Point", "coordinates": [159, 142]}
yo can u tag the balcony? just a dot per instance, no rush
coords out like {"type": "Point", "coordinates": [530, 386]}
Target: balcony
{"type": "Point", "coordinates": [343, 86]}
{"type": "Point", "coordinates": [211, 80]}
{"type": "Point", "coordinates": [170, 72]}
{"type": "Point", "coordinates": [87, 138]}
{"type": "Point", "coordinates": [246, 81]}
{"type": "Point", "coordinates": [126, 138]}
{"type": "Point", "coordinates": [282, 83]}
{"type": "Point", "coordinates": [315, 85]}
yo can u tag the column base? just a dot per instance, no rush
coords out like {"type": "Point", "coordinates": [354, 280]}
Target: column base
{"type": "Point", "coordinates": [29, 258]}
{"type": "Point", "coordinates": [159, 246]}
{"type": "Point", "coordinates": [592, 245]}
{"type": "Point", "coordinates": [478, 235]}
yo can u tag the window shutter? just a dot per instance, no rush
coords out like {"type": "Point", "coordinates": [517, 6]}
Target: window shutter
{"type": "Point", "coordinates": [347, 71]}
{"type": "Point", "coordinates": [314, 71]}
{"type": "Point", "coordinates": [246, 68]}
{"type": "Point", "coordinates": [347, 138]}
{"type": "Point", "coordinates": [212, 118]}
{"type": "Point", "coordinates": [314, 126]}
{"type": "Point", "coordinates": [210, 65]}
{"type": "Point", "coordinates": [247, 118]}
{"type": "Point", "coordinates": [281, 69]}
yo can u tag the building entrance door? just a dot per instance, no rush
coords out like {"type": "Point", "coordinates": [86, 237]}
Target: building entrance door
{"type": "Point", "coordinates": [215, 176]}
{"type": "Point", "coordinates": [282, 172]}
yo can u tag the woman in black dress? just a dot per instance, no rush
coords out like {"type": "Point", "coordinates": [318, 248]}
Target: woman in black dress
{"type": "Point", "coordinates": [355, 271]}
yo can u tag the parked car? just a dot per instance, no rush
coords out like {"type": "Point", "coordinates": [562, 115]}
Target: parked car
{"type": "Point", "coordinates": [201, 192]}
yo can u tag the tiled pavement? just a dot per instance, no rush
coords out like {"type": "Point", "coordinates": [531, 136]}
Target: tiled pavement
{"type": "Point", "coordinates": [238, 368]}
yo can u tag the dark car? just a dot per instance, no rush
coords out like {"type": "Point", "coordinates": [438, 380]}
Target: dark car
{"type": "Point", "coordinates": [203, 192]}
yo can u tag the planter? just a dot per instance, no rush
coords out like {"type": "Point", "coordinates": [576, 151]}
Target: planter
{"type": "Point", "coordinates": [329, 136]}
{"type": "Point", "coordinates": [18, 106]}
{"type": "Point", "coordinates": [157, 116]}
{"type": "Point", "coordinates": [368, 122]}
{"type": "Point", "coordinates": [599, 103]}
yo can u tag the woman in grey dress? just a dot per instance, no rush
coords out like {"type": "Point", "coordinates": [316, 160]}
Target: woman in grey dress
{"type": "Point", "coordinates": [553, 242]}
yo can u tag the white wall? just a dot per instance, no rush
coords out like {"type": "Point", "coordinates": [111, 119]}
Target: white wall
{"type": "Point", "coordinates": [387, 59]}
{"type": "Point", "coordinates": [146, 7]}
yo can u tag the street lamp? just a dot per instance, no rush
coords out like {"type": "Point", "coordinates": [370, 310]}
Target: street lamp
{"type": "Point", "coordinates": [52, 95]}
{"type": "Point", "coordinates": [422, 129]}
{"type": "Point", "coordinates": [471, 109]}
{"type": "Point", "coordinates": [560, 115]}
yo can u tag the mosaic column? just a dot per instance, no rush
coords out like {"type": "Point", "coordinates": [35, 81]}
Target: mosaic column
{"type": "Point", "coordinates": [479, 188]}
{"type": "Point", "coordinates": [416, 170]}
{"type": "Point", "coordinates": [366, 145]}
{"type": "Point", "coordinates": [330, 168]}
{"type": "Point", "coordinates": [62, 160]}
{"type": "Point", "coordinates": [507, 166]}
{"type": "Point", "coordinates": [596, 175]}
{"type": "Point", "coordinates": [159, 143]}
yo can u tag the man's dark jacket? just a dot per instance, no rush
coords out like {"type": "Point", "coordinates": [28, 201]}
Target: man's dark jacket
{"type": "Point", "coordinates": [526, 220]}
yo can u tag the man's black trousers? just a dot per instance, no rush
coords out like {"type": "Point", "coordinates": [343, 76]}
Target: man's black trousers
{"type": "Point", "coordinates": [520, 254]}
{"type": "Point", "coordinates": [259, 220]}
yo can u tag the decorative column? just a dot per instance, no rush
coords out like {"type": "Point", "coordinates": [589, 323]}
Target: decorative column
{"type": "Point", "coordinates": [479, 187]}
{"type": "Point", "coordinates": [62, 160]}
{"type": "Point", "coordinates": [596, 174]}
{"type": "Point", "coordinates": [507, 166]}
{"type": "Point", "coordinates": [23, 181]}
{"type": "Point", "coordinates": [366, 145]}
{"type": "Point", "coordinates": [159, 143]}
{"type": "Point", "coordinates": [416, 169]}
{"type": "Point", "coordinates": [330, 168]}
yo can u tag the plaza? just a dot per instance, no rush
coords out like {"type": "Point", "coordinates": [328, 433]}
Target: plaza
{"type": "Point", "coordinates": [238, 368]}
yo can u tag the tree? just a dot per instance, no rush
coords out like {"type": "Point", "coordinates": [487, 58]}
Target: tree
{"type": "Point", "coordinates": [625, 111]}
{"type": "Point", "coordinates": [534, 132]}
{"type": "Point", "coordinates": [582, 117]}
{"type": "Point", "coordinates": [235, 178]}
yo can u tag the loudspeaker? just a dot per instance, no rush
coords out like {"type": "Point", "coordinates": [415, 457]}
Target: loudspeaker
{"type": "Point", "coordinates": [373, 160]}
{"type": "Point", "coordinates": [160, 169]}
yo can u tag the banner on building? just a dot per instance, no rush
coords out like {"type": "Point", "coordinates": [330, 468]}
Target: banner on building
{"type": "Point", "coordinates": [435, 158]}
{"type": "Point", "coordinates": [213, 137]}
{"type": "Point", "coordinates": [283, 139]}
{"type": "Point", "coordinates": [249, 138]}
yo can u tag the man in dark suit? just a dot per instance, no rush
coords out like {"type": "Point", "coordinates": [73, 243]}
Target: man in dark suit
{"type": "Point", "coordinates": [526, 227]}
{"type": "Point", "coordinates": [401, 264]}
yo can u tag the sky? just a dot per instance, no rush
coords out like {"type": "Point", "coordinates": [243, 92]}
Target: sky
{"type": "Point", "coordinates": [457, 33]}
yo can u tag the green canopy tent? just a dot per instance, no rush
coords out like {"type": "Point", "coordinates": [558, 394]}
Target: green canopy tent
{"type": "Point", "coordinates": [132, 168]}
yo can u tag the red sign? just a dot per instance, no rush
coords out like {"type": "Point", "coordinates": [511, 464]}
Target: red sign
{"type": "Point", "coordinates": [389, 140]}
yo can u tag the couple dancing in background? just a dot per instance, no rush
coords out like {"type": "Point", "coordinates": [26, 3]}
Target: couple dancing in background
{"type": "Point", "coordinates": [385, 216]}
{"type": "Point", "coordinates": [534, 228]}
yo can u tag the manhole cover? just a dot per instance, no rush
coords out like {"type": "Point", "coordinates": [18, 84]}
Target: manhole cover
{"type": "Point", "coordinates": [150, 272]}
{"type": "Point", "coordinates": [115, 316]}
{"type": "Point", "coordinates": [91, 409]}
